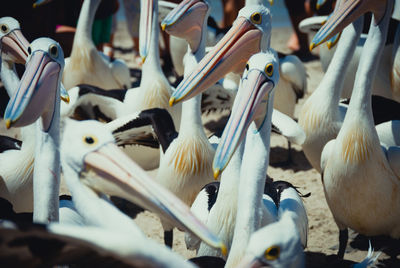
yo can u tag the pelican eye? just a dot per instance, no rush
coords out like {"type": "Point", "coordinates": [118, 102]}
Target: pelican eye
{"type": "Point", "coordinates": [256, 18]}
{"type": "Point", "coordinates": [53, 50]}
{"type": "Point", "coordinates": [247, 67]}
{"type": "Point", "coordinates": [29, 50]}
{"type": "Point", "coordinates": [4, 28]}
{"type": "Point", "coordinates": [269, 69]}
{"type": "Point", "coordinates": [90, 140]}
{"type": "Point", "coordinates": [272, 253]}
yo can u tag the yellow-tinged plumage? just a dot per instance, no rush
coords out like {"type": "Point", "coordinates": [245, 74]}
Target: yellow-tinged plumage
{"type": "Point", "coordinates": [356, 145]}
{"type": "Point", "coordinates": [192, 157]}
{"type": "Point", "coordinates": [157, 95]}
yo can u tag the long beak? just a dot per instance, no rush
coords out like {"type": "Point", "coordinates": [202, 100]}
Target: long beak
{"type": "Point", "coordinates": [15, 46]}
{"type": "Point", "coordinates": [124, 178]}
{"type": "Point", "coordinates": [146, 27]}
{"type": "Point", "coordinates": [345, 14]}
{"type": "Point", "coordinates": [35, 91]}
{"type": "Point", "coordinates": [247, 101]}
{"type": "Point", "coordinates": [177, 13]}
{"type": "Point", "coordinates": [230, 54]}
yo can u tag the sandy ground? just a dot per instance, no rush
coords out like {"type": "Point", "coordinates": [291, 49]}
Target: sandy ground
{"type": "Point", "coordinates": [323, 232]}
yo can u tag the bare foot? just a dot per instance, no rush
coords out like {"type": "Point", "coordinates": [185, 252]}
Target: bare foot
{"type": "Point", "coordinates": [293, 43]}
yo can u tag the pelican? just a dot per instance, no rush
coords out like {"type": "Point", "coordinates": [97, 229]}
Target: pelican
{"type": "Point", "coordinates": [46, 56]}
{"type": "Point", "coordinates": [360, 182]}
{"type": "Point", "coordinates": [88, 153]}
{"type": "Point", "coordinates": [14, 49]}
{"type": "Point", "coordinates": [81, 246]}
{"type": "Point", "coordinates": [280, 244]}
{"type": "Point", "coordinates": [185, 166]}
{"type": "Point", "coordinates": [253, 104]}
{"type": "Point", "coordinates": [249, 34]}
{"type": "Point", "coordinates": [86, 64]}
{"type": "Point", "coordinates": [154, 90]}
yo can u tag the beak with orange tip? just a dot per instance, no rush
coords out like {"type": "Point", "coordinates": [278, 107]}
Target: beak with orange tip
{"type": "Point", "coordinates": [230, 54]}
{"type": "Point", "coordinates": [147, 26]}
{"type": "Point", "coordinates": [14, 46]}
{"type": "Point", "coordinates": [118, 175]}
{"type": "Point", "coordinates": [252, 91]}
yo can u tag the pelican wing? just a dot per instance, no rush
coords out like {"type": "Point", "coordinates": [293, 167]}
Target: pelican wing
{"type": "Point", "coordinates": [8, 143]}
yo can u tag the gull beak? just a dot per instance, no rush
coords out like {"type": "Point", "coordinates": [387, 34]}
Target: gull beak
{"type": "Point", "coordinates": [189, 27]}
{"type": "Point", "coordinates": [15, 46]}
{"type": "Point", "coordinates": [35, 93]}
{"type": "Point", "coordinates": [246, 106]}
{"type": "Point", "coordinates": [146, 26]}
{"type": "Point", "coordinates": [343, 15]}
{"type": "Point", "coordinates": [229, 54]}
{"type": "Point", "coordinates": [118, 175]}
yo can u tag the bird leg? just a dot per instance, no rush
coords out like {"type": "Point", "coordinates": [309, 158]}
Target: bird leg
{"type": "Point", "coordinates": [168, 238]}
{"type": "Point", "coordinates": [343, 237]}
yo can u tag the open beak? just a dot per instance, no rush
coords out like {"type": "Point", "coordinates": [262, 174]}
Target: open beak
{"type": "Point", "coordinates": [189, 27]}
{"type": "Point", "coordinates": [145, 27]}
{"type": "Point", "coordinates": [230, 54]}
{"type": "Point", "coordinates": [345, 14]}
{"type": "Point", "coordinates": [35, 91]}
{"type": "Point", "coordinates": [124, 178]}
{"type": "Point", "coordinates": [15, 46]}
{"type": "Point", "coordinates": [246, 106]}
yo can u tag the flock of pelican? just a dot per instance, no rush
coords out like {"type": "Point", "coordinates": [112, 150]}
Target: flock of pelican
{"type": "Point", "coordinates": [83, 125]}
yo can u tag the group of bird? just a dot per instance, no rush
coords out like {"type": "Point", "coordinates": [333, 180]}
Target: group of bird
{"type": "Point", "coordinates": [81, 124]}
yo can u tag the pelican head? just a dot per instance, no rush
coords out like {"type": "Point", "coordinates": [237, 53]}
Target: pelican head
{"type": "Point", "coordinates": [89, 149]}
{"type": "Point", "coordinates": [186, 21]}
{"type": "Point", "coordinates": [346, 13]}
{"type": "Point", "coordinates": [13, 44]}
{"type": "Point", "coordinates": [276, 245]}
{"type": "Point", "coordinates": [37, 90]}
{"type": "Point", "coordinates": [256, 87]}
{"type": "Point", "coordinates": [249, 34]}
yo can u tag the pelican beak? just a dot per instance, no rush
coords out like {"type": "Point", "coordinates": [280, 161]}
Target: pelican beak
{"type": "Point", "coordinates": [40, 2]}
{"type": "Point", "coordinates": [320, 3]}
{"type": "Point", "coordinates": [15, 46]}
{"type": "Point", "coordinates": [64, 94]}
{"type": "Point", "coordinates": [229, 54]}
{"type": "Point", "coordinates": [246, 106]}
{"type": "Point", "coordinates": [120, 176]}
{"type": "Point", "coordinates": [333, 40]}
{"type": "Point", "coordinates": [189, 27]}
{"type": "Point", "coordinates": [271, 2]}
{"type": "Point", "coordinates": [343, 15]}
{"type": "Point", "coordinates": [146, 26]}
{"type": "Point", "coordinates": [248, 262]}
{"type": "Point", "coordinates": [35, 91]}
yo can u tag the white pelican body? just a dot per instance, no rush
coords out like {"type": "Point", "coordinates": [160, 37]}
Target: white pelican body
{"type": "Point", "coordinates": [359, 182]}
{"type": "Point", "coordinates": [254, 102]}
{"type": "Point", "coordinates": [86, 65]}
